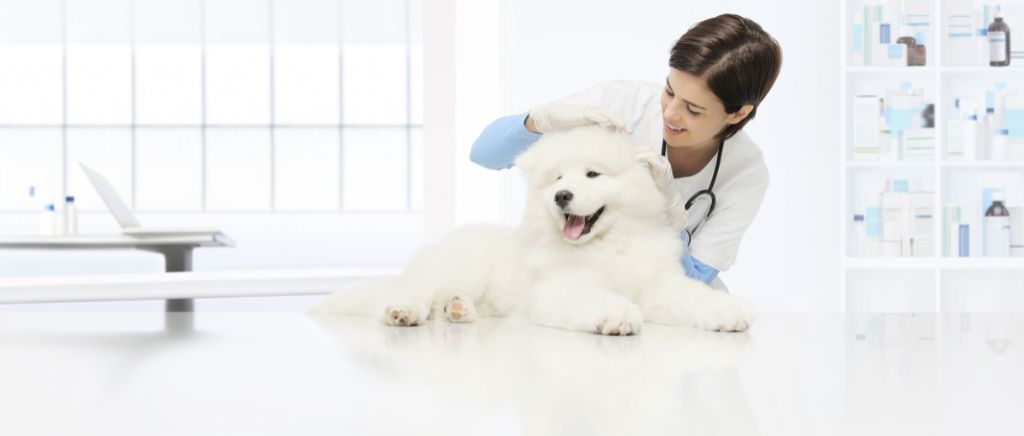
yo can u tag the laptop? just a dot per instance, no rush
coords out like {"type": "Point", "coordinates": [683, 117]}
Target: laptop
{"type": "Point", "coordinates": [129, 223]}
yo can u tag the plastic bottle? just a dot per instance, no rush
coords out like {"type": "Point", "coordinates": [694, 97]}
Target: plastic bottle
{"type": "Point", "coordinates": [48, 221]}
{"type": "Point", "coordinates": [921, 55]}
{"type": "Point", "coordinates": [32, 197]}
{"type": "Point", "coordinates": [1016, 232]}
{"type": "Point", "coordinates": [873, 225]}
{"type": "Point", "coordinates": [999, 40]}
{"type": "Point", "coordinates": [997, 228]}
{"type": "Point", "coordinates": [981, 44]}
{"type": "Point", "coordinates": [988, 124]}
{"type": "Point", "coordinates": [928, 116]}
{"type": "Point", "coordinates": [955, 130]}
{"type": "Point", "coordinates": [1000, 150]}
{"type": "Point", "coordinates": [970, 137]}
{"type": "Point", "coordinates": [964, 241]}
{"type": "Point", "coordinates": [70, 216]}
{"type": "Point", "coordinates": [1000, 105]}
{"type": "Point", "coordinates": [860, 235]}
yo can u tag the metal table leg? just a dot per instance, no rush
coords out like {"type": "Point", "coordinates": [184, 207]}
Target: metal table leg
{"type": "Point", "coordinates": [177, 258]}
{"type": "Point", "coordinates": [178, 305]}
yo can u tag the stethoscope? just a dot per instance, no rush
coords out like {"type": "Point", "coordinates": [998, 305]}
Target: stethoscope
{"type": "Point", "coordinates": [709, 192]}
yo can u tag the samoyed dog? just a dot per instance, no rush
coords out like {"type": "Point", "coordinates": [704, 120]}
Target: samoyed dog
{"type": "Point", "coordinates": [598, 250]}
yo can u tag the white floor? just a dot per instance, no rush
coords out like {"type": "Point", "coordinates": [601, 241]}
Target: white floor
{"type": "Point", "coordinates": [287, 374]}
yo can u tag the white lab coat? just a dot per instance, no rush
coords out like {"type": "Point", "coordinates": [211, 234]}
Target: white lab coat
{"type": "Point", "coordinates": [742, 178]}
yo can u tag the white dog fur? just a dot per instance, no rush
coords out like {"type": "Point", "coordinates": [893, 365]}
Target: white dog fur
{"type": "Point", "coordinates": [624, 271]}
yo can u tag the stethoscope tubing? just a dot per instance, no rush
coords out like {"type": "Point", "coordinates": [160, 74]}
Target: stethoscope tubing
{"type": "Point", "coordinates": [711, 186]}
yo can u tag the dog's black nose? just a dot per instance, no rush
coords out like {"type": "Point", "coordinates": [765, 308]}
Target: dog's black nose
{"type": "Point", "coordinates": [563, 198]}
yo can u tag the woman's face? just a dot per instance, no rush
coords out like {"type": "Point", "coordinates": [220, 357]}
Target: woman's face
{"type": "Point", "coordinates": [691, 113]}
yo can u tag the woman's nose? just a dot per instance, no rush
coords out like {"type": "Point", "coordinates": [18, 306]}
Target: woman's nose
{"type": "Point", "coordinates": [671, 114]}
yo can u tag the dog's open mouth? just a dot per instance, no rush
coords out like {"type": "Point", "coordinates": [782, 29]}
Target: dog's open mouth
{"type": "Point", "coordinates": [576, 226]}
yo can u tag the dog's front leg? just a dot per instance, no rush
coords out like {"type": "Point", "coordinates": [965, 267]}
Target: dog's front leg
{"type": "Point", "coordinates": [680, 300]}
{"type": "Point", "coordinates": [576, 301]}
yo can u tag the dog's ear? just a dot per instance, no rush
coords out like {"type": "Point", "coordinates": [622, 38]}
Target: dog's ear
{"type": "Point", "coordinates": [527, 160]}
{"type": "Point", "coordinates": [661, 172]}
{"type": "Point", "coordinates": [657, 164]}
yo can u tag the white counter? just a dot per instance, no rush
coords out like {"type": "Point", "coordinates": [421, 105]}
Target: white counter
{"type": "Point", "coordinates": [190, 284]}
{"type": "Point", "coordinates": [287, 374]}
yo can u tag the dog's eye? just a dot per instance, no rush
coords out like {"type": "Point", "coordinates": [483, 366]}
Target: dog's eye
{"type": "Point", "coordinates": [558, 178]}
{"type": "Point", "coordinates": [592, 174]}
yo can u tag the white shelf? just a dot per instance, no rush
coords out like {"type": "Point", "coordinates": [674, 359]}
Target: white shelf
{"type": "Point", "coordinates": [951, 164]}
{"type": "Point", "coordinates": [917, 276]}
{"type": "Point", "coordinates": [900, 70]}
{"type": "Point", "coordinates": [982, 165]}
{"type": "Point", "coordinates": [897, 164]}
{"type": "Point", "coordinates": [983, 69]}
{"type": "Point", "coordinates": [982, 263]}
{"type": "Point", "coordinates": [1014, 69]}
{"type": "Point", "coordinates": [889, 263]}
{"type": "Point", "coordinates": [932, 263]}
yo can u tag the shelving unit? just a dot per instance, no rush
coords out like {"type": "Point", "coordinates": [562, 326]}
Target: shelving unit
{"type": "Point", "coordinates": [923, 281]}
{"type": "Point", "coordinates": [984, 165]}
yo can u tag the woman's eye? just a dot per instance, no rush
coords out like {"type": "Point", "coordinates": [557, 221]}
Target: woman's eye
{"type": "Point", "coordinates": [592, 174]}
{"type": "Point", "coordinates": [692, 112]}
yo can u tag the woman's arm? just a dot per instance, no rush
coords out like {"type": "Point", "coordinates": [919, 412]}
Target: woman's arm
{"type": "Point", "coordinates": [718, 241]}
{"type": "Point", "coordinates": [501, 141]}
{"type": "Point", "coordinates": [617, 105]}
{"type": "Point", "coordinates": [695, 269]}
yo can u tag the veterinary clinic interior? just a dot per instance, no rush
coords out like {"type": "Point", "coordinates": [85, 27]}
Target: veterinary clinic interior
{"type": "Point", "coordinates": [184, 182]}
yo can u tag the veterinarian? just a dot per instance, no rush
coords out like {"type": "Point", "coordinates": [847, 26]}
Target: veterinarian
{"type": "Point", "coordinates": [720, 71]}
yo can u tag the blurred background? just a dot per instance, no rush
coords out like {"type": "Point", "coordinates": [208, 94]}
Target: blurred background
{"type": "Point", "coordinates": [324, 133]}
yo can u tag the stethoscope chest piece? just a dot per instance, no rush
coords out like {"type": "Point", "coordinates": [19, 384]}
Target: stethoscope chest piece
{"type": "Point", "coordinates": [701, 203]}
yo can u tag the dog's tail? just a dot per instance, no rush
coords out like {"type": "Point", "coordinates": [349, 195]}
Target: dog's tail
{"type": "Point", "coordinates": [362, 299]}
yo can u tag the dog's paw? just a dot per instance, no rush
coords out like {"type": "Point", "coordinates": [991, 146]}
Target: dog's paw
{"type": "Point", "coordinates": [405, 314]}
{"type": "Point", "coordinates": [620, 320]}
{"type": "Point", "coordinates": [460, 309]}
{"type": "Point", "coordinates": [722, 312]}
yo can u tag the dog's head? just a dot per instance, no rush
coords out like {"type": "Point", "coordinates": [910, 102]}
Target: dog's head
{"type": "Point", "coordinates": [587, 181]}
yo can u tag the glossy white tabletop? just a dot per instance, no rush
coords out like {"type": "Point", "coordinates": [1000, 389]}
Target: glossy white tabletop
{"type": "Point", "coordinates": [287, 374]}
{"type": "Point", "coordinates": [216, 239]}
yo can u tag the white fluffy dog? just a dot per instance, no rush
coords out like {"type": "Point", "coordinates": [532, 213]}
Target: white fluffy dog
{"type": "Point", "coordinates": [598, 251]}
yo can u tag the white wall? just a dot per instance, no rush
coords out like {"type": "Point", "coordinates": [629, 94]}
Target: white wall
{"type": "Point", "coordinates": [789, 259]}
{"type": "Point", "coordinates": [512, 54]}
{"type": "Point", "coordinates": [463, 73]}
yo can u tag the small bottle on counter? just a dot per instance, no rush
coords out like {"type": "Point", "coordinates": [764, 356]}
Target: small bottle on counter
{"type": "Point", "coordinates": [48, 221]}
{"type": "Point", "coordinates": [70, 216]}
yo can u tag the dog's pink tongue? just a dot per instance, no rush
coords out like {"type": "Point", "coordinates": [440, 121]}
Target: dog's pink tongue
{"type": "Point", "coordinates": [573, 227]}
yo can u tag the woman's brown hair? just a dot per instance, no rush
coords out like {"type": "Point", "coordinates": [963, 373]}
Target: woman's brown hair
{"type": "Point", "coordinates": [737, 59]}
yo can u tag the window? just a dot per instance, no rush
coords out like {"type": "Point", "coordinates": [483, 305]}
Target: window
{"type": "Point", "coordinates": [213, 105]}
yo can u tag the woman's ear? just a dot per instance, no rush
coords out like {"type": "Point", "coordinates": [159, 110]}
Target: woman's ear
{"type": "Point", "coordinates": [740, 115]}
